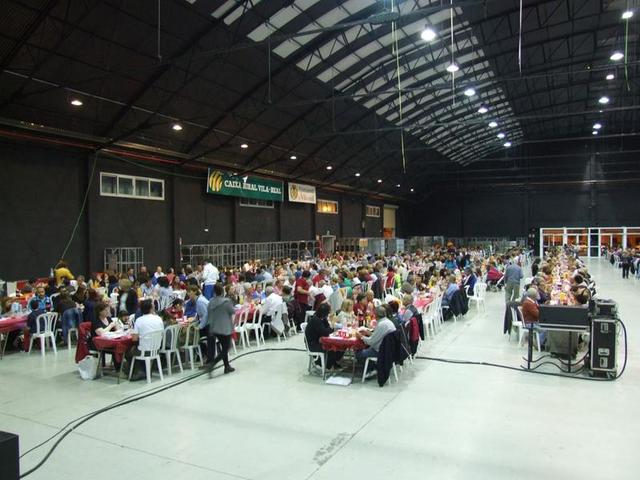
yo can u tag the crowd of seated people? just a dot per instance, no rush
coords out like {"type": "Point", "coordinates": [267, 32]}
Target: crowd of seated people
{"type": "Point", "coordinates": [354, 284]}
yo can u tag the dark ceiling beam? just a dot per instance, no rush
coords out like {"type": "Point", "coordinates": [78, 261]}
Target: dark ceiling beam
{"type": "Point", "coordinates": [27, 32]}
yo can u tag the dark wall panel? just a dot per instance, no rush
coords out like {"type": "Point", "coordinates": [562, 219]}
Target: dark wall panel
{"type": "Point", "coordinates": [296, 221]}
{"type": "Point", "coordinates": [618, 207]}
{"type": "Point", "coordinates": [197, 211]}
{"type": "Point", "coordinates": [480, 216]}
{"type": "Point", "coordinates": [41, 194]}
{"type": "Point", "coordinates": [125, 222]}
{"type": "Point", "coordinates": [351, 216]}
{"type": "Point", "coordinates": [256, 224]}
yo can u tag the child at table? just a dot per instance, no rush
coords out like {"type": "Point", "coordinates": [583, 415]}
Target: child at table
{"type": "Point", "coordinates": [346, 317]}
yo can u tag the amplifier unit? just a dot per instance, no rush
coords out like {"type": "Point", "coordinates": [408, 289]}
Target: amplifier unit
{"type": "Point", "coordinates": [604, 339]}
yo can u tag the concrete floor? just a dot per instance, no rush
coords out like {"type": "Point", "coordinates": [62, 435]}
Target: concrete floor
{"type": "Point", "coordinates": [270, 420]}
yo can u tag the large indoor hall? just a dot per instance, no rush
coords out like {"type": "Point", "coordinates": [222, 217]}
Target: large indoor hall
{"type": "Point", "coordinates": [319, 239]}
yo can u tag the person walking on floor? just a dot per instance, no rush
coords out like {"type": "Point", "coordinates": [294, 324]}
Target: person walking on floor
{"type": "Point", "coordinates": [512, 276]}
{"type": "Point", "coordinates": [625, 262]}
{"type": "Point", "coordinates": [220, 313]}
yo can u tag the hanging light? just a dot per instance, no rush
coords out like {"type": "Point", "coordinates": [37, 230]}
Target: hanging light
{"type": "Point", "coordinates": [452, 68]}
{"type": "Point", "coordinates": [244, 146]}
{"type": "Point", "coordinates": [507, 144]}
{"type": "Point", "coordinates": [398, 185]}
{"type": "Point", "coordinates": [597, 126]}
{"type": "Point", "coordinates": [293, 157]}
{"type": "Point", "coordinates": [177, 127]}
{"type": "Point", "coordinates": [469, 92]}
{"type": "Point", "coordinates": [604, 100]}
{"type": "Point", "coordinates": [595, 132]}
{"type": "Point", "coordinates": [627, 14]}
{"type": "Point", "coordinates": [493, 124]}
{"type": "Point", "coordinates": [76, 102]}
{"type": "Point", "coordinates": [357, 174]}
{"type": "Point", "coordinates": [412, 190]}
{"type": "Point", "coordinates": [483, 110]}
{"type": "Point", "coordinates": [610, 76]}
{"type": "Point", "coordinates": [615, 56]}
{"type": "Point", "coordinates": [501, 135]}
{"type": "Point", "coordinates": [329, 167]}
{"type": "Point", "coordinates": [379, 180]}
{"type": "Point", "coordinates": [428, 34]}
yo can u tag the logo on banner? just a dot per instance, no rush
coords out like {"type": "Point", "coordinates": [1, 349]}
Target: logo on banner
{"type": "Point", "coordinates": [216, 181]}
{"type": "Point", "coordinates": [293, 191]}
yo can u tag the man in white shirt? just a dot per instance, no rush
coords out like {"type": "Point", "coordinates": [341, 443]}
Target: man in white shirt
{"type": "Point", "coordinates": [210, 277]}
{"type": "Point", "coordinates": [148, 323]}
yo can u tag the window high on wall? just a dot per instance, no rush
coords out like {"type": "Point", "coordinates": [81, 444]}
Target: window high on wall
{"type": "Point", "coordinates": [127, 186]}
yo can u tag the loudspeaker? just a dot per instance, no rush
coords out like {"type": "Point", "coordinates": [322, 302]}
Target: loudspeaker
{"type": "Point", "coordinates": [9, 456]}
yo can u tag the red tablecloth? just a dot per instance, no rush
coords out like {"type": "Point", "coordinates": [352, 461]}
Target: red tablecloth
{"type": "Point", "coordinates": [9, 324]}
{"type": "Point", "coordinates": [117, 346]}
{"type": "Point", "coordinates": [422, 302]}
{"type": "Point", "coordinates": [339, 344]}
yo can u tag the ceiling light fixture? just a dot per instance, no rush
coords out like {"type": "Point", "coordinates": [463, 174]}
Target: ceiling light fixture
{"type": "Point", "coordinates": [469, 92]}
{"type": "Point", "coordinates": [329, 167]}
{"type": "Point", "coordinates": [483, 110]}
{"type": "Point", "coordinates": [493, 124]}
{"type": "Point", "coordinates": [615, 56]}
{"type": "Point", "coordinates": [610, 76]}
{"type": "Point", "coordinates": [76, 102]}
{"type": "Point", "coordinates": [452, 68]}
{"type": "Point", "coordinates": [398, 185]}
{"type": "Point", "coordinates": [412, 189]}
{"type": "Point", "coordinates": [358, 174]}
{"type": "Point", "coordinates": [627, 14]}
{"type": "Point", "coordinates": [244, 145]}
{"type": "Point", "coordinates": [595, 132]}
{"type": "Point", "coordinates": [428, 34]}
{"type": "Point", "coordinates": [507, 144]}
{"type": "Point", "coordinates": [293, 157]}
{"type": "Point", "coordinates": [379, 180]}
{"type": "Point", "coordinates": [597, 126]}
{"type": "Point", "coordinates": [177, 127]}
{"type": "Point", "coordinates": [501, 135]}
{"type": "Point", "coordinates": [604, 100]}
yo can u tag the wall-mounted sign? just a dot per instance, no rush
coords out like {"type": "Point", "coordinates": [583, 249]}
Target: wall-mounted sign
{"type": "Point", "coordinates": [220, 182]}
{"type": "Point", "coordinates": [302, 193]}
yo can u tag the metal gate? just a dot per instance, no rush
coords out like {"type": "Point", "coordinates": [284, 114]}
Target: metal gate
{"type": "Point", "coordinates": [120, 259]}
{"type": "Point", "coordinates": [235, 255]}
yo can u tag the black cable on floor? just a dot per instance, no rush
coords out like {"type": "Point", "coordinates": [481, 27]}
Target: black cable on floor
{"type": "Point", "coordinates": [133, 398]}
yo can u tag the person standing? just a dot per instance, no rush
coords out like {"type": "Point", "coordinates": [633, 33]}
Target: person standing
{"type": "Point", "coordinates": [625, 262]}
{"type": "Point", "coordinates": [512, 276]}
{"type": "Point", "coordinates": [210, 276]}
{"type": "Point", "coordinates": [220, 313]}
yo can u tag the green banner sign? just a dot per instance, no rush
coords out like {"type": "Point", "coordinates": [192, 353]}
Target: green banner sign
{"type": "Point", "coordinates": [220, 182]}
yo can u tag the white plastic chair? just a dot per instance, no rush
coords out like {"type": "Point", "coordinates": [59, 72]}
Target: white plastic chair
{"type": "Point", "coordinates": [521, 328]}
{"type": "Point", "coordinates": [240, 329]}
{"type": "Point", "coordinates": [255, 326]}
{"type": "Point", "coordinates": [48, 321]}
{"type": "Point", "coordinates": [429, 320]}
{"type": "Point", "coordinates": [154, 339]}
{"type": "Point", "coordinates": [278, 315]}
{"type": "Point", "coordinates": [479, 291]}
{"type": "Point", "coordinates": [192, 344]}
{"type": "Point", "coordinates": [375, 359]}
{"type": "Point", "coordinates": [313, 355]}
{"type": "Point", "coordinates": [162, 302]}
{"type": "Point", "coordinates": [170, 346]}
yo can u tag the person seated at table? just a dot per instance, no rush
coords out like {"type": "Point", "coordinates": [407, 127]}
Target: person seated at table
{"type": "Point", "coordinates": [581, 294]}
{"type": "Point", "coordinates": [36, 310]}
{"type": "Point", "coordinates": [147, 323]}
{"type": "Point", "coordinates": [493, 275]}
{"type": "Point", "coordinates": [393, 312]}
{"type": "Point", "coordinates": [469, 280]}
{"type": "Point", "coordinates": [29, 287]}
{"type": "Point", "coordinates": [201, 303]}
{"type": "Point", "coordinates": [177, 285]}
{"type": "Point", "coordinates": [318, 326]}
{"type": "Point", "coordinates": [346, 317]}
{"type": "Point", "coordinates": [173, 312]}
{"type": "Point", "coordinates": [127, 298]}
{"type": "Point", "coordinates": [258, 293]}
{"type": "Point", "coordinates": [452, 287]}
{"type": "Point", "coordinates": [146, 286]}
{"type": "Point", "coordinates": [270, 306]}
{"type": "Point", "coordinates": [102, 323]}
{"type": "Point", "coordinates": [164, 291]}
{"type": "Point", "coordinates": [531, 312]}
{"type": "Point", "coordinates": [92, 299]}
{"type": "Point", "coordinates": [68, 313]}
{"type": "Point", "coordinates": [373, 340]}
{"type": "Point", "coordinates": [44, 302]}
{"type": "Point", "coordinates": [360, 308]}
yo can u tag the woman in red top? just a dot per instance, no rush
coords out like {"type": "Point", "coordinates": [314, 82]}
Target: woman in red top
{"type": "Point", "coordinates": [360, 308]}
{"type": "Point", "coordinates": [301, 296]}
